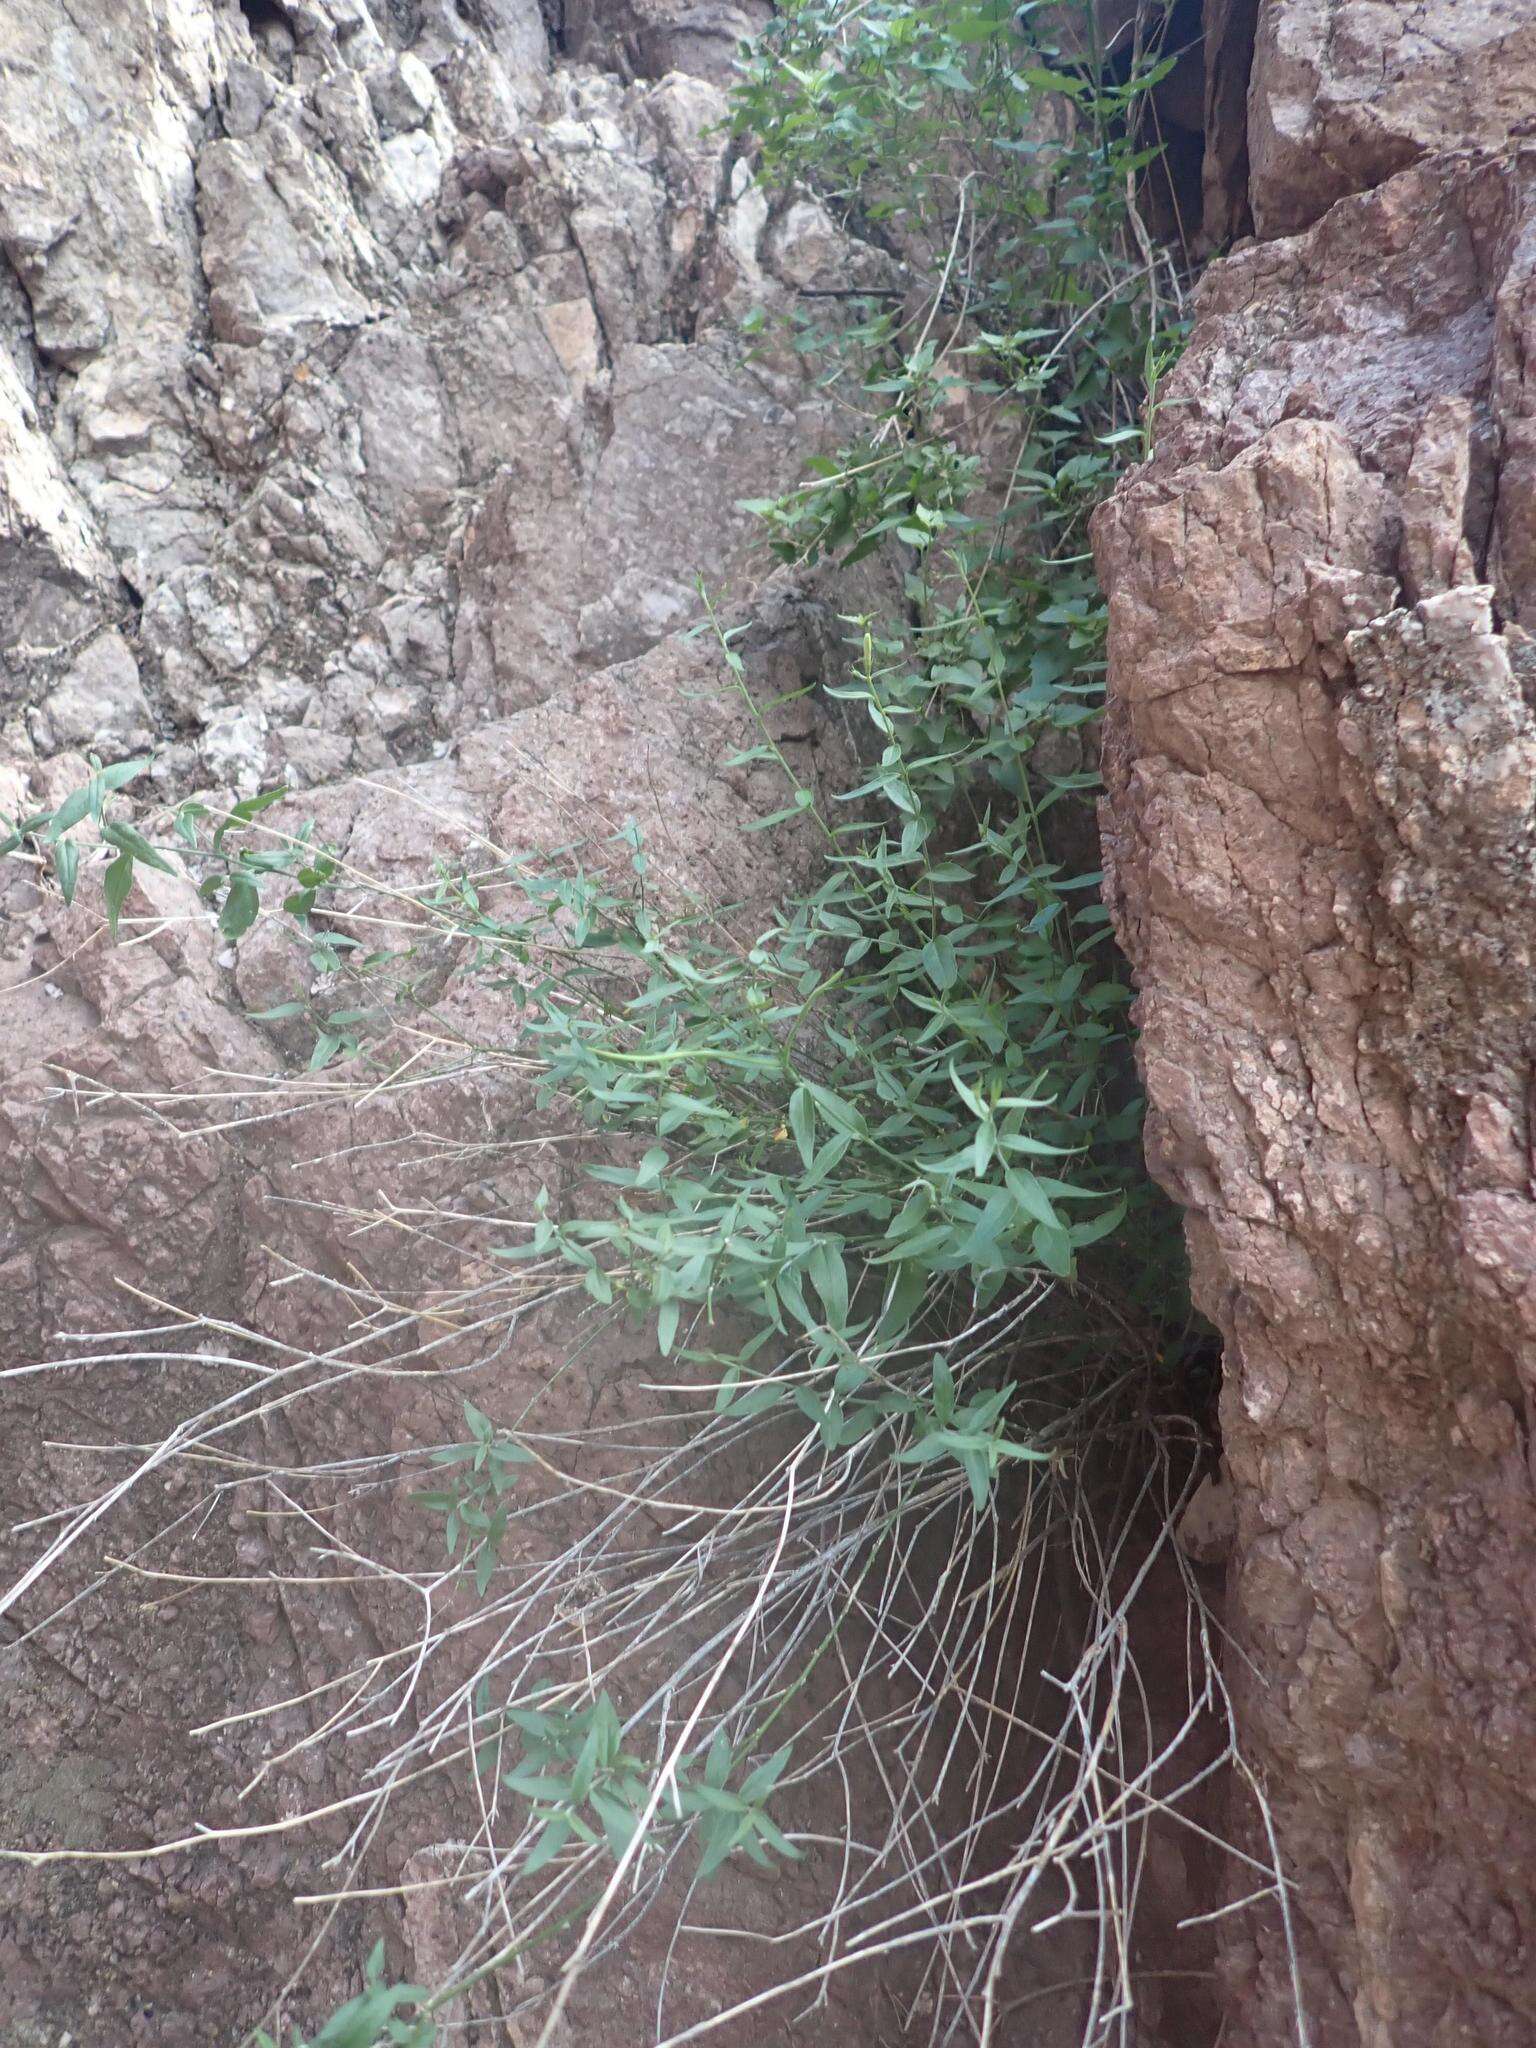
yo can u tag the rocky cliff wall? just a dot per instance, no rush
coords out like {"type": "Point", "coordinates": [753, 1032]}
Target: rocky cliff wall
{"type": "Point", "coordinates": [371, 397]}
{"type": "Point", "coordinates": [1321, 841]}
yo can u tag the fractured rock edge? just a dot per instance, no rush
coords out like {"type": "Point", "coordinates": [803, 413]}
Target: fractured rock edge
{"type": "Point", "coordinates": [345, 364]}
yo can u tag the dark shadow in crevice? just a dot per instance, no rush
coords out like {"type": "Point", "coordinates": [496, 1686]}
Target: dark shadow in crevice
{"type": "Point", "coordinates": [261, 15]}
{"type": "Point", "coordinates": [1194, 193]}
{"type": "Point", "coordinates": [1229, 28]}
{"type": "Point", "coordinates": [557, 27]}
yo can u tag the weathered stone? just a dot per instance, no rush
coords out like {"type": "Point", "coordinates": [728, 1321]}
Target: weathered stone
{"type": "Point", "coordinates": [1320, 833]}
{"type": "Point", "coordinates": [393, 300]}
{"type": "Point", "coordinates": [1345, 92]}
{"type": "Point", "coordinates": [100, 706]}
{"type": "Point", "coordinates": [653, 37]}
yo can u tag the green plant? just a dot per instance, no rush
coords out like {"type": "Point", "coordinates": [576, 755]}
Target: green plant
{"type": "Point", "coordinates": [372, 2018]}
{"type": "Point", "coordinates": [50, 834]}
{"type": "Point", "coordinates": [472, 1504]}
{"type": "Point", "coordinates": [581, 1782]}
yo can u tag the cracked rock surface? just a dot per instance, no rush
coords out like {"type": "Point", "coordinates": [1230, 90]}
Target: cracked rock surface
{"type": "Point", "coordinates": [1321, 842]}
{"type": "Point", "coordinates": [348, 345]}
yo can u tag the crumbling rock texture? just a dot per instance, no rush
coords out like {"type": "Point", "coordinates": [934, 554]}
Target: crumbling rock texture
{"type": "Point", "coordinates": [371, 397]}
{"type": "Point", "coordinates": [1321, 854]}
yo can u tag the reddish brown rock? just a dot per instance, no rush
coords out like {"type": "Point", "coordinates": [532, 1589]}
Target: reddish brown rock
{"type": "Point", "coordinates": [1321, 842]}
{"type": "Point", "coordinates": [134, 1175]}
{"type": "Point", "coordinates": [1345, 92]}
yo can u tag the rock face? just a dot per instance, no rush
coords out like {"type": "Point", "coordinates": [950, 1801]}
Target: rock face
{"type": "Point", "coordinates": [1321, 841]}
{"type": "Point", "coordinates": [281, 1226]}
{"type": "Point", "coordinates": [371, 397]}
{"type": "Point", "coordinates": [1345, 92]}
{"type": "Point", "coordinates": [345, 359]}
